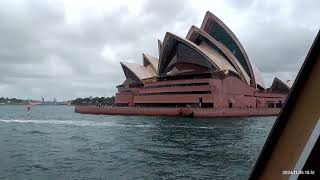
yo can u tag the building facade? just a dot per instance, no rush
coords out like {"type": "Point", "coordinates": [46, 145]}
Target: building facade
{"type": "Point", "coordinates": [209, 68]}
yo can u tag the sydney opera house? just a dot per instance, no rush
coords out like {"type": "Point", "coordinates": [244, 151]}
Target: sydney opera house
{"type": "Point", "coordinates": [208, 69]}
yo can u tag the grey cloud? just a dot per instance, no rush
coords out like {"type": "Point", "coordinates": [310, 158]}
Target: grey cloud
{"type": "Point", "coordinates": [279, 47]}
{"type": "Point", "coordinates": [240, 4]}
{"type": "Point", "coordinates": [276, 37]}
{"type": "Point", "coordinates": [41, 54]}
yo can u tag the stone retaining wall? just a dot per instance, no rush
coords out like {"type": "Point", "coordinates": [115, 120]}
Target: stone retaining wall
{"type": "Point", "coordinates": [190, 112]}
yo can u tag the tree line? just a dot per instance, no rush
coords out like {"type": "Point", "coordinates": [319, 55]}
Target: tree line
{"type": "Point", "coordinates": [6, 100]}
{"type": "Point", "coordinates": [96, 101]}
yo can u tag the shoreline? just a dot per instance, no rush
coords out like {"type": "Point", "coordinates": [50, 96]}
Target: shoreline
{"type": "Point", "coordinates": [178, 112]}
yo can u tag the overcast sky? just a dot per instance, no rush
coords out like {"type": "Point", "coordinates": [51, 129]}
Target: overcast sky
{"type": "Point", "coordinates": [72, 48]}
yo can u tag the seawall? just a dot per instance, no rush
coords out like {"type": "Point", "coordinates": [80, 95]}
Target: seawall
{"type": "Point", "coordinates": [190, 112]}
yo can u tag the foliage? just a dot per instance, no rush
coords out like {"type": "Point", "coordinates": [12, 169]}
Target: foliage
{"type": "Point", "coordinates": [11, 101]}
{"type": "Point", "coordinates": [97, 101]}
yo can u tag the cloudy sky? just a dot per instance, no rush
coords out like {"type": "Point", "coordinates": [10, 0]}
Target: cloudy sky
{"type": "Point", "coordinates": [72, 48]}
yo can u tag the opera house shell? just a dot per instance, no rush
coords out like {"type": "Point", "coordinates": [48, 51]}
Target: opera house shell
{"type": "Point", "coordinates": [209, 68]}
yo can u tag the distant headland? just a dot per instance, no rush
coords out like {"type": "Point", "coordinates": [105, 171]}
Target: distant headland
{"type": "Point", "coordinates": [16, 101]}
{"type": "Point", "coordinates": [93, 101]}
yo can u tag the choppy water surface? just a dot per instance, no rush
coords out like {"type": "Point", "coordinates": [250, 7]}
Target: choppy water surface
{"type": "Point", "coordinates": [53, 142]}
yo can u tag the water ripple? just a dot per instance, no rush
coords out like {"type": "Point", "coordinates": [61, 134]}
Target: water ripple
{"type": "Point", "coordinates": [53, 142]}
{"type": "Point", "coordinates": [97, 123]}
{"type": "Point", "coordinates": [37, 132]}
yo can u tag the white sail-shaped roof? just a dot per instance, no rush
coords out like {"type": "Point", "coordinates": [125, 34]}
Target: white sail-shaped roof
{"type": "Point", "coordinates": [258, 76]}
{"type": "Point", "coordinates": [153, 61]}
{"type": "Point", "coordinates": [141, 72]}
{"type": "Point", "coordinates": [197, 35]}
{"type": "Point", "coordinates": [219, 31]}
{"type": "Point", "coordinates": [171, 42]}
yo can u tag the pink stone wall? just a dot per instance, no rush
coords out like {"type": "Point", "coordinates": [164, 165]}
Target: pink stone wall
{"type": "Point", "coordinates": [239, 101]}
{"type": "Point", "coordinates": [177, 98]}
{"type": "Point", "coordinates": [225, 91]}
{"type": "Point", "coordinates": [128, 111]}
{"type": "Point", "coordinates": [124, 98]}
{"type": "Point", "coordinates": [195, 112]}
{"type": "Point", "coordinates": [233, 85]}
{"type": "Point", "coordinates": [184, 81]}
{"type": "Point", "coordinates": [235, 112]}
{"type": "Point", "coordinates": [176, 89]}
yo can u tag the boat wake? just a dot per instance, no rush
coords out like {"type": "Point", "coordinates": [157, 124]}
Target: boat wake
{"type": "Point", "coordinates": [66, 122]}
{"type": "Point", "coordinates": [99, 124]}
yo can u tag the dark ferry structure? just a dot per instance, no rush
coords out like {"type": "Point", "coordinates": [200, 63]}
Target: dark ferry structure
{"type": "Point", "coordinates": [292, 149]}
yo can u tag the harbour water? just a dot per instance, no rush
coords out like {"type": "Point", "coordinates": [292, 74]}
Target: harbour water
{"type": "Point", "coordinates": [53, 142]}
